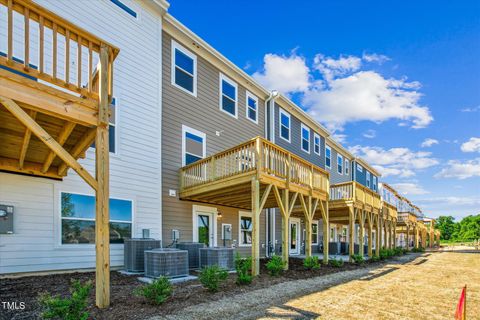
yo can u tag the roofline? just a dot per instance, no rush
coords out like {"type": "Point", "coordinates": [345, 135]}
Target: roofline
{"type": "Point", "coordinates": [369, 167]}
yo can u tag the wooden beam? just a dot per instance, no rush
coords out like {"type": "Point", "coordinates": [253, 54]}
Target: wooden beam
{"type": "Point", "coordinates": [280, 202]}
{"type": "Point", "coordinates": [43, 135]}
{"type": "Point", "coordinates": [29, 168]}
{"type": "Point", "coordinates": [102, 172]}
{"type": "Point", "coordinates": [62, 137]}
{"type": "Point", "coordinates": [351, 238]}
{"type": "Point", "coordinates": [292, 202]}
{"type": "Point", "coordinates": [264, 198]}
{"type": "Point", "coordinates": [255, 194]}
{"type": "Point", "coordinates": [326, 231]}
{"type": "Point", "coordinates": [26, 141]}
{"type": "Point", "coordinates": [286, 229]}
{"type": "Point", "coordinates": [82, 145]}
{"type": "Point", "coordinates": [361, 236]}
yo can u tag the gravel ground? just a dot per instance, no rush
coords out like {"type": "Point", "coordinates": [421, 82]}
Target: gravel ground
{"type": "Point", "coordinates": [270, 302]}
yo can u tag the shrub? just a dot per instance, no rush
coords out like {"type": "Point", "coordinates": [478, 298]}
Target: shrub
{"type": "Point", "coordinates": [243, 267]}
{"type": "Point", "coordinates": [336, 263]}
{"type": "Point", "coordinates": [398, 251]}
{"type": "Point", "coordinates": [72, 308]}
{"type": "Point", "coordinates": [212, 276]}
{"type": "Point", "coordinates": [419, 249]}
{"type": "Point", "coordinates": [275, 265]}
{"type": "Point", "coordinates": [404, 250]}
{"type": "Point", "coordinates": [375, 258]}
{"type": "Point", "coordinates": [156, 292]}
{"type": "Point", "coordinates": [311, 263]}
{"type": "Point", "coordinates": [358, 259]}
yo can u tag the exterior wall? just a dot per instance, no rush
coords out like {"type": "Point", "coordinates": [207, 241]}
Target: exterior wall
{"type": "Point", "coordinates": [201, 113]}
{"type": "Point", "coordinates": [335, 177]}
{"type": "Point", "coordinates": [134, 171]}
{"type": "Point", "coordinates": [361, 177]}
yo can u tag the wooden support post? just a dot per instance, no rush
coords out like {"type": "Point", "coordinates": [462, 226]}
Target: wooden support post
{"type": "Point", "coordinates": [307, 208]}
{"type": "Point", "coordinates": [351, 235]}
{"type": "Point", "coordinates": [361, 236]}
{"type": "Point", "coordinates": [394, 233]}
{"type": "Point", "coordinates": [377, 239]}
{"type": "Point", "coordinates": [286, 222]}
{"type": "Point", "coordinates": [370, 234]}
{"type": "Point", "coordinates": [102, 217]}
{"type": "Point", "coordinates": [26, 141]}
{"type": "Point", "coordinates": [326, 230]}
{"type": "Point", "coordinates": [415, 230]}
{"type": "Point", "coordinates": [408, 237]}
{"type": "Point", "coordinates": [255, 227]}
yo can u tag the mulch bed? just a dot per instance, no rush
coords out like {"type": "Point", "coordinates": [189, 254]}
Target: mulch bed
{"type": "Point", "coordinates": [124, 305]}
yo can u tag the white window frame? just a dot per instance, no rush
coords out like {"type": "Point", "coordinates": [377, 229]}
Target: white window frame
{"type": "Point", "coordinates": [347, 167]}
{"type": "Point", "coordinates": [303, 126]}
{"type": "Point", "coordinates": [240, 215]}
{"type": "Point", "coordinates": [196, 209]}
{"type": "Point", "coordinates": [332, 235]}
{"type": "Point", "coordinates": [247, 107]}
{"type": "Point", "coordinates": [285, 113]}
{"type": "Point", "coordinates": [315, 136]}
{"type": "Point", "coordinates": [359, 168]}
{"type": "Point", "coordinates": [220, 95]}
{"type": "Point", "coordinates": [327, 147]}
{"type": "Point", "coordinates": [374, 183]}
{"type": "Point", "coordinates": [368, 178]}
{"type": "Point", "coordinates": [186, 129]}
{"type": "Point", "coordinates": [316, 238]}
{"type": "Point", "coordinates": [340, 163]}
{"type": "Point", "coordinates": [116, 126]}
{"type": "Point", "coordinates": [176, 45]}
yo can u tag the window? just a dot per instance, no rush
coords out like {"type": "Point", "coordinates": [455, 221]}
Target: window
{"type": "Point", "coordinates": [305, 138]}
{"type": "Point", "coordinates": [328, 157]}
{"type": "Point", "coordinates": [228, 96]}
{"type": "Point", "coordinates": [374, 185]}
{"type": "Point", "coordinates": [339, 164]}
{"type": "Point", "coordinates": [333, 230]}
{"type": "Point", "coordinates": [252, 107]}
{"type": "Point", "coordinates": [368, 179]}
{"type": "Point", "coordinates": [245, 229]}
{"type": "Point", "coordinates": [184, 69]}
{"type": "Point", "coordinates": [344, 234]}
{"type": "Point", "coordinates": [125, 8]}
{"type": "Point", "coordinates": [316, 143]}
{"type": "Point", "coordinates": [111, 128]}
{"type": "Point", "coordinates": [78, 219]}
{"type": "Point", "coordinates": [347, 167]}
{"type": "Point", "coordinates": [359, 168]}
{"type": "Point", "coordinates": [284, 125]}
{"type": "Point", "coordinates": [193, 145]}
{"type": "Point", "coordinates": [315, 232]}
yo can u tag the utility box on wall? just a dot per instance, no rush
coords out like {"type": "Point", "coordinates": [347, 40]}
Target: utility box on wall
{"type": "Point", "coordinates": [6, 219]}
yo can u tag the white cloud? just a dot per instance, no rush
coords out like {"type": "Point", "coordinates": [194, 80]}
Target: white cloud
{"type": "Point", "coordinates": [458, 207]}
{"type": "Point", "coordinates": [374, 57]}
{"type": "Point", "coordinates": [370, 134]}
{"type": "Point", "coordinates": [339, 137]}
{"type": "Point", "coordinates": [428, 142]}
{"type": "Point", "coordinates": [474, 109]}
{"type": "Point", "coordinates": [460, 170]}
{"type": "Point", "coordinates": [330, 67]}
{"type": "Point", "coordinates": [409, 188]}
{"type": "Point", "coordinates": [472, 145]}
{"type": "Point", "coordinates": [401, 162]}
{"type": "Point", "coordinates": [285, 74]}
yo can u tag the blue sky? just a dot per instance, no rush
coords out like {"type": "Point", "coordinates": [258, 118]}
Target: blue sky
{"type": "Point", "coordinates": [386, 78]}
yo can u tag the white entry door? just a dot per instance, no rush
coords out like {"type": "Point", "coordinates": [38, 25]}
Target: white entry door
{"type": "Point", "coordinates": [204, 224]}
{"type": "Point", "coordinates": [294, 236]}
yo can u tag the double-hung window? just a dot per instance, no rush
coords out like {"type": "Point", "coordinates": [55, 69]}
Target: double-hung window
{"type": "Point", "coordinates": [339, 164]}
{"type": "Point", "coordinates": [347, 167]}
{"type": "Point", "coordinates": [193, 145]}
{"type": "Point", "coordinates": [359, 168]}
{"type": "Point", "coordinates": [252, 107]}
{"type": "Point", "coordinates": [284, 125]}
{"type": "Point", "coordinates": [374, 184]}
{"type": "Point", "coordinates": [305, 138]}
{"type": "Point", "coordinates": [368, 179]}
{"type": "Point", "coordinates": [228, 96]}
{"type": "Point", "coordinates": [184, 69]}
{"type": "Point", "coordinates": [315, 232]}
{"type": "Point", "coordinates": [78, 219]}
{"type": "Point", "coordinates": [328, 157]}
{"type": "Point", "coordinates": [316, 143]}
{"type": "Point", "coordinates": [246, 229]}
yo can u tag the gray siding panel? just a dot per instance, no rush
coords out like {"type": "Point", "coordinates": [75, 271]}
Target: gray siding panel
{"type": "Point", "coordinates": [361, 177]}
{"type": "Point", "coordinates": [335, 177]}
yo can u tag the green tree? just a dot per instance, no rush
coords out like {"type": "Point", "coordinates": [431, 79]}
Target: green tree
{"type": "Point", "coordinates": [446, 225]}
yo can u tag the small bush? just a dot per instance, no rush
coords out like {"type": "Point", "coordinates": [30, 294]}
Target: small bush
{"type": "Point", "coordinates": [404, 250]}
{"type": "Point", "coordinates": [156, 292]}
{"type": "Point", "coordinates": [398, 251]}
{"type": "Point", "coordinates": [419, 249]}
{"type": "Point", "coordinates": [275, 265]}
{"type": "Point", "coordinates": [375, 258]}
{"type": "Point", "coordinates": [212, 276]}
{"type": "Point", "coordinates": [72, 308]}
{"type": "Point", "coordinates": [311, 263]}
{"type": "Point", "coordinates": [243, 266]}
{"type": "Point", "coordinates": [336, 263]}
{"type": "Point", "coordinates": [358, 259]}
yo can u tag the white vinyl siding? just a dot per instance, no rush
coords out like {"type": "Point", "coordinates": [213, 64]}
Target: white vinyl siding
{"type": "Point", "coordinates": [284, 125]}
{"type": "Point", "coordinates": [305, 132]}
{"type": "Point", "coordinates": [184, 69]}
{"type": "Point", "coordinates": [228, 96]}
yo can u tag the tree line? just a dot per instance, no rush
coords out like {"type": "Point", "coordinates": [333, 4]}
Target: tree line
{"type": "Point", "coordinates": [468, 229]}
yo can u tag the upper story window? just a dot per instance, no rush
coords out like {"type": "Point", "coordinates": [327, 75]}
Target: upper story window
{"type": "Point", "coordinates": [374, 184]}
{"type": "Point", "coordinates": [228, 96]}
{"type": "Point", "coordinates": [252, 107]}
{"type": "Point", "coordinates": [368, 179]}
{"type": "Point", "coordinates": [316, 143]}
{"type": "Point", "coordinates": [184, 69]}
{"type": "Point", "coordinates": [359, 168]}
{"type": "Point", "coordinates": [285, 125]}
{"type": "Point", "coordinates": [112, 134]}
{"type": "Point", "coordinates": [125, 8]}
{"type": "Point", "coordinates": [347, 167]}
{"type": "Point", "coordinates": [305, 138]}
{"type": "Point", "coordinates": [339, 164]}
{"type": "Point", "coordinates": [78, 219]}
{"type": "Point", "coordinates": [328, 157]}
{"type": "Point", "coordinates": [193, 145]}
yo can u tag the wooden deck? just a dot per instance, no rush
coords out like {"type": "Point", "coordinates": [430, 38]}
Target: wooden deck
{"type": "Point", "coordinates": [55, 91]}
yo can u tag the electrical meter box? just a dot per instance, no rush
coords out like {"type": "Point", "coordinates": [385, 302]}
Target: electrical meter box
{"type": "Point", "coordinates": [227, 232]}
{"type": "Point", "coordinates": [6, 219]}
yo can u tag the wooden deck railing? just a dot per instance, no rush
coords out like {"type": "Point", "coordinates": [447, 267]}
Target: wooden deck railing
{"type": "Point", "coordinates": [261, 156]}
{"type": "Point", "coordinates": [355, 192]}
{"type": "Point", "coordinates": [53, 49]}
